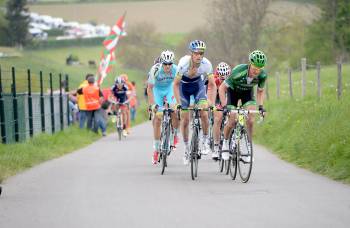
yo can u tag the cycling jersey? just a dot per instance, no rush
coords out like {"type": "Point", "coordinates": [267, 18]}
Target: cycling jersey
{"type": "Point", "coordinates": [241, 86]}
{"type": "Point", "coordinates": [239, 79]}
{"type": "Point", "coordinates": [162, 84]}
{"type": "Point", "coordinates": [193, 85]}
{"type": "Point", "coordinates": [120, 94]}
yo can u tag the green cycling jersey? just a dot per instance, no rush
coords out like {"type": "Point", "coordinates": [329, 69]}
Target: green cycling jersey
{"type": "Point", "coordinates": [239, 80]}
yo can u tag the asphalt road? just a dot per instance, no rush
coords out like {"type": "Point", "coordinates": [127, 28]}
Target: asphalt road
{"type": "Point", "coordinates": [113, 184]}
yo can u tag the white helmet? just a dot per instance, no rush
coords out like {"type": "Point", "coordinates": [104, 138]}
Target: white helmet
{"type": "Point", "coordinates": [167, 56]}
{"type": "Point", "coordinates": [119, 80]}
{"type": "Point", "coordinates": [223, 70]}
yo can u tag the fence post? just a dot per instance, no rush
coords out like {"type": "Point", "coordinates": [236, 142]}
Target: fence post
{"type": "Point", "coordinates": [67, 90]}
{"type": "Point", "coordinates": [42, 103]}
{"type": "Point", "coordinates": [30, 104]}
{"type": "Point", "coordinates": [340, 87]}
{"type": "Point", "coordinates": [2, 113]}
{"type": "Point", "coordinates": [52, 107]}
{"type": "Point", "coordinates": [267, 90]}
{"type": "Point", "coordinates": [303, 76]}
{"type": "Point", "coordinates": [15, 104]}
{"type": "Point", "coordinates": [278, 87]}
{"type": "Point", "coordinates": [318, 72]}
{"type": "Point", "coordinates": [61, 102]}
{"type": "Point", "coordinates": [290, 82]}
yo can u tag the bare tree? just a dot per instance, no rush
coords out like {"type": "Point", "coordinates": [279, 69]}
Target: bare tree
{"type": "Point", "coordinates": [236, 26]}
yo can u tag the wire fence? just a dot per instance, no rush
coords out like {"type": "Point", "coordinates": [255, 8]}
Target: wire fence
{"type": "Point", "coordinates": [309, 80]}
{"type": "Point", "coordinates": [32, 103]}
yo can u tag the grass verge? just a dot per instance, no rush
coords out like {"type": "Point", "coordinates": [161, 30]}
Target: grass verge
{"type": "Point", "coordinates": [17, 157]}
{"type": "Point", "coordinates": [311, 133]}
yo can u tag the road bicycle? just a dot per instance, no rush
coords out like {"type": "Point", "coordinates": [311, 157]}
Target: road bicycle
{"type": "Point", "coordinates": [240, 146]}
{"type": "Point", "coordinates": [195, 153]}
{"type": "Point", "coordinates": [118, 118]}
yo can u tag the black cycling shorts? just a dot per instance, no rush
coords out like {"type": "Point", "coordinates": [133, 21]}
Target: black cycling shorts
{"type": "Point", "coordinates": [246, 97]}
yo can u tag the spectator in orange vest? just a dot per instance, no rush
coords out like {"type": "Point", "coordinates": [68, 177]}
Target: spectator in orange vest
{"type": "Point", "coordinates": [93, 100]}
{"type": "Point", "coordinates": [81, 104]}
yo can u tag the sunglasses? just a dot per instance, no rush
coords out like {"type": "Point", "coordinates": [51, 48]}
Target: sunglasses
{"type": "Point", "coordinates": [168, 64]}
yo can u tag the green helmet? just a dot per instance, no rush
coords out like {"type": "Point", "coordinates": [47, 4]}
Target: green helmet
{"type": "Point", "coordinates": [257, 58]}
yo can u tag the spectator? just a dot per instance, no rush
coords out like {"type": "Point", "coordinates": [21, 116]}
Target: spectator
{"type": "Point", "coordinates": [133, 102]}
{"type": "Point", "coordinates": [82, 105]}
{"type": "Point", "coordinates": [93, 98]}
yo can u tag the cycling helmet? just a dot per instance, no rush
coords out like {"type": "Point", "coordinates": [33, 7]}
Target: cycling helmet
{"type": "Point", "coordinates": [197, 46]}
{"type": "Point", "coordinates": [223, 70]}
{"type": "Point", "coordinates": [119, 80]}
{"type": "Point", "coordinates": [167, 56]}
{"type": "Point", "coordinates": [257, 58]}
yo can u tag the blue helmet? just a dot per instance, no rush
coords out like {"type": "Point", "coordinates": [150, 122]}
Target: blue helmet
{"type": "Point", "coordinates": [197, 46]}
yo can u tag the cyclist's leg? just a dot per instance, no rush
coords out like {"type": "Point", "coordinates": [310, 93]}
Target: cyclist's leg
{"type": "Point", "coordinates": [249, 103]}
{"type": "Point", "coordinates": [157, 120]}
{"type": "Point", "coordinates": [201, 99]}
{"type": "Point", "coordinates": [124, 116]}
{"type": "Point", "coordinates": [232, 101]}
{"type": "Point", "coordinates": [175, 122]}
{"type": "Point", "coordinates": [216, 127]}
{"type": "Point", "coordinates": [185, 93]}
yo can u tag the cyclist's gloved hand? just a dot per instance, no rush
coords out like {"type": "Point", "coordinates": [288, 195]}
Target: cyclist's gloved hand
{"type": "Point", "coordinates": [178, 107]}
{"type": "Point", "coordinates": [262, 110]}
{"type": "Point", "coordinates": [225, 109]}
{"type": "Point", "coordinates": [219, 107]}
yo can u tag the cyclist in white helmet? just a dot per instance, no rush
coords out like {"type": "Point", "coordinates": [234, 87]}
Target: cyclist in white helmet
{"type": "Point", "coordinates": [160, 89]}
{"type": "Point", "coordinates": [192, 70]}
{"type": "Point", "coordinates": [223, 70]}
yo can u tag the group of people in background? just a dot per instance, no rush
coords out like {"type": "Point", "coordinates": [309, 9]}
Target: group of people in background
{"type": "Point", "coordinates": [90, 105]}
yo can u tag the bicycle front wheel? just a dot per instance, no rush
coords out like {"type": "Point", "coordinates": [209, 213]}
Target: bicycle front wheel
{"type": "Point", "coordinates": [245, 157]}
{"type": "Point", "coordinates": [165, 146]}
{"type": "Point", "coordinates": [194, 154]}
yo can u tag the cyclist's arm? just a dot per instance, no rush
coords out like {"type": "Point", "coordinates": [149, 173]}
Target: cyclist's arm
{"type": "Point", "coordinates": [260, 89]}
{"type": "Point", "coordinates": [150, 94]}
{"type": "Point", "coordinates": [176, 88]}
{"type": "Point", "coordinates": [211, 89]}
{"type": "Point", "coordinates": [222, 93]}
{"type": "Point", "coordinates": [260, 96]}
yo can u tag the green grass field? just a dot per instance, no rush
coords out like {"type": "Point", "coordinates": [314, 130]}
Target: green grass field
{"type": "Point", "coordinates": [311, 133]}
{"type": "Point", "coordinates": [15, 158]}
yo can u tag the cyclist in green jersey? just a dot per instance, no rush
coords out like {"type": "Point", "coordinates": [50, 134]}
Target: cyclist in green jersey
{"type": "Point", "coordinates": [239, 86]}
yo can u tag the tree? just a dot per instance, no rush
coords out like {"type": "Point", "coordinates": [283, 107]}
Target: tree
{"type": "Point", "coordinates": [332, 29]}
{"type": "Point", "coordinates": [236, 27]}
{"type": "Point", "coordinates": [18, 20]}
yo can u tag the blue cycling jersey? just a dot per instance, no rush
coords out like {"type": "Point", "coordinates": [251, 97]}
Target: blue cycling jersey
{"type": "Point", "coordinates": [162, 84]}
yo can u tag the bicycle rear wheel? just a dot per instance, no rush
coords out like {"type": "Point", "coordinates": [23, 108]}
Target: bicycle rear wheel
{"type": "Point", "coordinates": [245, 157]}
{"type": "Point", "coordinates": [194, 154]}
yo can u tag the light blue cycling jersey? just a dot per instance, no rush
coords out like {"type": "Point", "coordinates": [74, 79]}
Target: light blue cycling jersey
{"type": "Point", "coordinates": [162, 84]}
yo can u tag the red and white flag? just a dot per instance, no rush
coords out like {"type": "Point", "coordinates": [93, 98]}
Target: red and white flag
{"type": "Point", "coordinates": [110, 43]}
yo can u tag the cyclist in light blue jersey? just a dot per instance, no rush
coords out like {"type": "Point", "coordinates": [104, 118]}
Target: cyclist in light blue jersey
{"type": "Point", "coordinates": [192, 71]}
{"type": "Point", "coordinates": [160, 90]}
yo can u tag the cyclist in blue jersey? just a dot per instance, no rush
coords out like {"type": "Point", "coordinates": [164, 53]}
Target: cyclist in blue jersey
{"type": "Point", "coordinates": [160, 90]}
{"type": "Point", "coordinates": [192, 70]}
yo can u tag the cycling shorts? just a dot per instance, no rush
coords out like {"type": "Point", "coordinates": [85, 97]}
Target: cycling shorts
{"type": "Point", "coordinates": [245, 96]}
{"type": "Point", "coordinates": [164, 94]}
{"type": "Point", "coordinates": [192, 87]}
